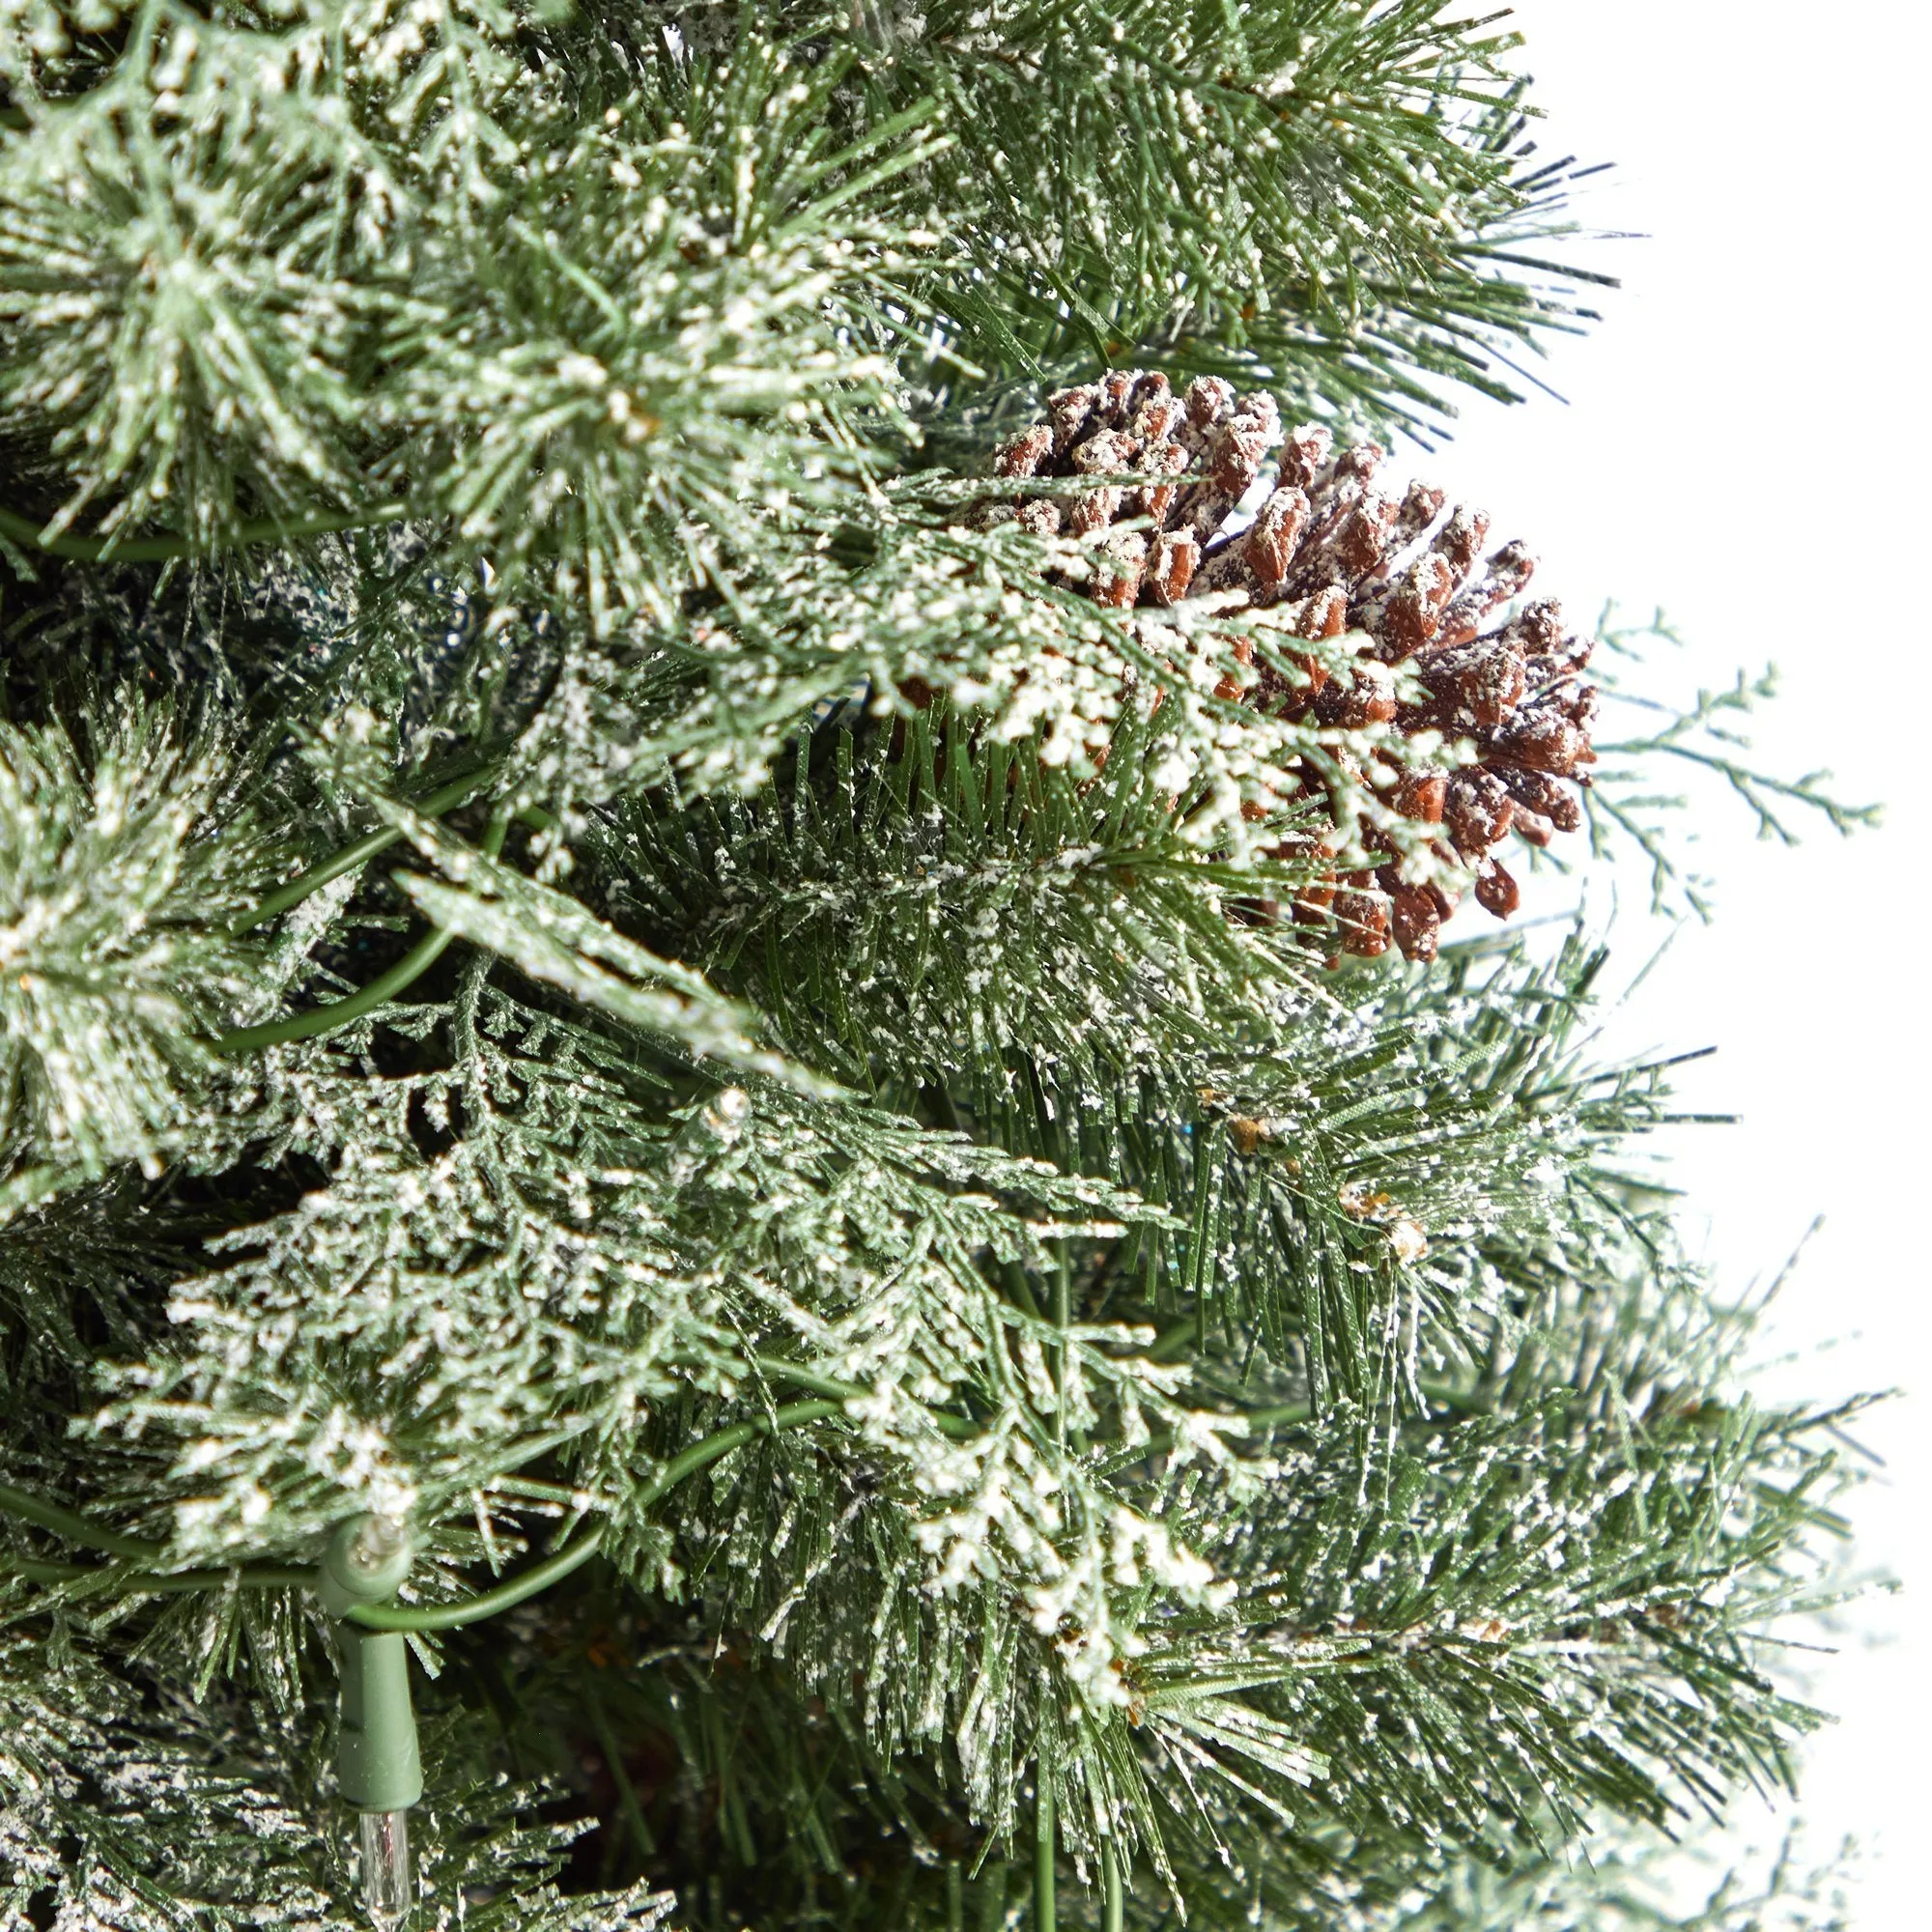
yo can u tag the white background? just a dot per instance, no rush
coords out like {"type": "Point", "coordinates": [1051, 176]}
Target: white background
{"type": "Point", "coordinates": [1745, 443]}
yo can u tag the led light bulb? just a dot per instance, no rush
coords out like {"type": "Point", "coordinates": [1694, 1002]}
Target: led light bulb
{"type": "Point", "coordinates": [385, 1867]}
{"type": "Point", "coordinates": [377, 1541]}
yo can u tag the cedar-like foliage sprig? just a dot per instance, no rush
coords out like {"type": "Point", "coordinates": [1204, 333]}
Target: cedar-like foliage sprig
{"type": "Point", "coordinates": [1705, 737]}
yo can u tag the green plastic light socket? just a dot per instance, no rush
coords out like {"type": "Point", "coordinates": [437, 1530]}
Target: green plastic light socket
{"type": "Point", "coordinates": [377, 1762]}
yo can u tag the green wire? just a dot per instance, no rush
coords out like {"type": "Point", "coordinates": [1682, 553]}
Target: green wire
{"type": "Point", "coordinates": [167, 549]}
{"type": "Point", "coordinates": [514, 1590]}
{"type": "Point", "coordinates": [30, 1508]}
{"type": "Point", "coordinates": [955, 1425]}
{"type": "Point", "coordinates": [406, 970]}
{"type": "Point", "coordinates": [435, 1616]}
{"type": "Point", "coordinates": [359, 853]}
{"type": "Point", "coordinates": [472, 1610]}
{"type": "Point", "coordinates": [1043, 1908]}
{"type": "Point", "coordinates": [317, 1020]}
{"type": "Point", "coordinates": [160, 1583]}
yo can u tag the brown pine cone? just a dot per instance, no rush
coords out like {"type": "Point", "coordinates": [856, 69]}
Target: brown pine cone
{"type": "Point", "coordinates": [1343, 557]}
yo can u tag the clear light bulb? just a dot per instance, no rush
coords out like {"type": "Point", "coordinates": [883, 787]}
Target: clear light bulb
{"type": "Point", "coordinates": [385, 1867]}
{"type": "Point", "coordinates": [377, 1540]}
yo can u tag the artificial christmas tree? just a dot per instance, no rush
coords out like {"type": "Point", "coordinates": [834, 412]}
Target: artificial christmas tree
{"type": "Point", "coordinates": [703, 1220]}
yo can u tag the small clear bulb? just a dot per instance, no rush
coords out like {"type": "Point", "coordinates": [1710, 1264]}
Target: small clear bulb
{"type": "Point", "coordinates": [385, 1867]}
{"type": "Point", "coordinates": [377, 1541]}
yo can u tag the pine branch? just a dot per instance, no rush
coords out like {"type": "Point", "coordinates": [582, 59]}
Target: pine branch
{"type": "Point", "coordinates": [1346, 215]}
{"type": "Point", "coordinates": [119, 897]}
{"type": "Point", "coordinates": [543, 395]}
